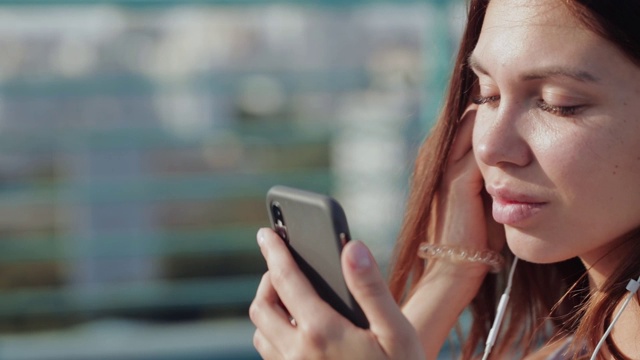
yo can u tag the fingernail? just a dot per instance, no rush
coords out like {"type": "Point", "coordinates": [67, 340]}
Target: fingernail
{"type": "Point", "coordinates": [260, 237]}
{"type": "Point", "coordinates": [359, 256]}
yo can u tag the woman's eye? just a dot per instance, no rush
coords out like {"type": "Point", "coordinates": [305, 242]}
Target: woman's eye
{"type": "Point", "coordinates": [542, 105]}
{"type": "Point", "coordinates": [481, 100]}
{"type": "Point", "coordinates": [558, 110]}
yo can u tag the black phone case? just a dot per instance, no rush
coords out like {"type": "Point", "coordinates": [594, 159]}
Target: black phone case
{"type": "Point", "coordinates": [317, 228]}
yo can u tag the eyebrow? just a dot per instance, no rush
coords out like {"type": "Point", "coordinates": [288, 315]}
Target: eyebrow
{"type": "Point", "coordinates": [542, 73]}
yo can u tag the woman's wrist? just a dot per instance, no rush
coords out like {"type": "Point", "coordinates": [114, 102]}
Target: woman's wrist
{"type": "Point", "coordinates": [444, 290]}
{"type": "Point", "coordinates": [468, 276]}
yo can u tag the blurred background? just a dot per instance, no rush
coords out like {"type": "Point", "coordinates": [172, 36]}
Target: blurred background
{"type": "Point", "coordinates": [138, 139]}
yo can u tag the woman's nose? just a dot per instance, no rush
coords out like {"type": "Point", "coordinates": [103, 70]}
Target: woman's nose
{"type": "Point", "coordinates": [500, 138]}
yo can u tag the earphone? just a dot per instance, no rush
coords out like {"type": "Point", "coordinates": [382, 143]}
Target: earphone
{"type": "Point", "coordinates": [502, 306]}
{"type": "Point", "coordinates": [632, 287]}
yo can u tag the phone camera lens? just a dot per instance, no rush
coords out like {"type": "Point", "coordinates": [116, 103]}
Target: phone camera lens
{"type": "Point", "coordinates": [275, 209]}
{"type": "Point", "coordinates": [278, 221]}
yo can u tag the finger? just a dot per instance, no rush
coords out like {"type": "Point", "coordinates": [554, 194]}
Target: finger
{"type": "Point", "coordinates": [291, 285]}
{"type": "Point", "coordinates": [462, 142]}
{"type": "Point", "coordinates": [463, 213]}
{"type": "Point", "coordinates": [370, 290]}
{"type": "Point", "coordinates": [466, 170]}
{"type": "Point", "coordinates": [495, 230]}
{"type": "Point", "coordinates": [268, 316]}
{"type": "Point", "coordinates": [264, 347]}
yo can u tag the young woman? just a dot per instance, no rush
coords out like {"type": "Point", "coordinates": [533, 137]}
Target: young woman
{"type": "Point", "coordinates": [536, 148]}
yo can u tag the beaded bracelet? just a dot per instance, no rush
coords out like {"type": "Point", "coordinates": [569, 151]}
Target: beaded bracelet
{"type": "Point", "coordinates": [462, 254]}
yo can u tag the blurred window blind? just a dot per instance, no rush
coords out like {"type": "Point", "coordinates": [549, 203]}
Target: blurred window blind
{"type": "Point", "coordinates": [139, 137]}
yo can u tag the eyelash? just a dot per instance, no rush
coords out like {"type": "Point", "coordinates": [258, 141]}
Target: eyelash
{"type": "Point", "coordinates": [556, 110]}
{"type": "Point", "coordinates": [481, 100]}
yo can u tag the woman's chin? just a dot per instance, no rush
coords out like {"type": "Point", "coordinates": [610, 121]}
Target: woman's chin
{"type": "Point", "coordinates": [533, 249]}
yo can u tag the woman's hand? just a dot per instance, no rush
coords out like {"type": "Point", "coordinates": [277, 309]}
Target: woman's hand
{"type": "Point", "coordinates": [462, 213]}
{"type": "Point", "coordinates": [459, 218]}
{"type": "Point", "coordinates": [294, 323]}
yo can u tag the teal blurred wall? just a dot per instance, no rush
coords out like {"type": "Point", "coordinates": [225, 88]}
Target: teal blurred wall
{"type": "Point", "coordinates": [138, 139]}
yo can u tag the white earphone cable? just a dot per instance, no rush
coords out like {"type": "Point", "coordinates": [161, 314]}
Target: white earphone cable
{"type": "Point", "coordinates": [633, 287]}
{"type": "Point", "coordinates": [502, 306]}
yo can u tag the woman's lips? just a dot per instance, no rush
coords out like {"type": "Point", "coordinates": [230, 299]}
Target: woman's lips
{"type": "Point", "coordinates": [510, 208]}
{"type": "Point", "coordinates": [513, 212]}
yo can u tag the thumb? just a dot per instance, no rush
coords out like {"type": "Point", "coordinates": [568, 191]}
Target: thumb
{"type": "Point", "coordinates": [370, 290]}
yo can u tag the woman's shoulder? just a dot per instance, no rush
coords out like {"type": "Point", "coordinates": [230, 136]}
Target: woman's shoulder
{"type": "Point", "coordinates": [556, 350]}
{"type": "Point", "coordinates": [561, 352]}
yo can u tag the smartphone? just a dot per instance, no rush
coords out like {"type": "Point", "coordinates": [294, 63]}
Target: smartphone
{"type": "Point", "coordinates": [315, 229]}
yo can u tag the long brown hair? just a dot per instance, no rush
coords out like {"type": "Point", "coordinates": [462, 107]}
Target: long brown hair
{"type": "Point", "coordinates": [567, 306]}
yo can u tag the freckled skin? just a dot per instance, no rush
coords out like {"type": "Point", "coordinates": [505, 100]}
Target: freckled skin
{"type": "Point", "coordinates": [584, 166]}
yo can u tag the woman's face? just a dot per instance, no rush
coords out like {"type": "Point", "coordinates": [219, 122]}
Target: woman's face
{"type": "Point", "coordinates": [557, 134]}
